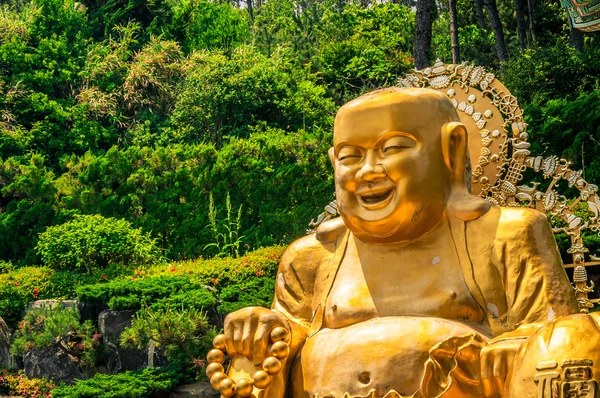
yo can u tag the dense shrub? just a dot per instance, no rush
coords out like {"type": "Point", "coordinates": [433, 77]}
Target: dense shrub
{"type": "Point", "coordinates": [16, 383]}
{"type": "Point", "coordinates": [570, 129]}
{"type": "Point", "coordinates": [60, 327]}
{"type": "Point", "coordinates": [236, 282]}
{"type": "Point", "coordinates": [21, 286]}
{"type": "Point", "coordinates": [156, 291]}
{"type": "Point", "coordinates": [128, 384]}
{"type": "Point", "coordinates": [363, 48]}
{"type": "Point", "coordinates": [177, 329]}
{"type": "Point", "coordinates": [256, 292]}
{"type": "Point", "coordinates": [550, 72]}
{"type": "Point", "coordinates": [226, 96]}
{"type": "Point", "coordinates": [89, 242]}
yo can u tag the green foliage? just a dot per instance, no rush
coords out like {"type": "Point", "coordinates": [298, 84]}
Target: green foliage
{"type": "Point", "coordinates": [19, 287]}
{"type": "Point", "coordinates": [160, 291]}
{"type": "Point", "coordinates": [16, 383]}
{"type": "Point", "coordinates": [89, 242]}
{"type": "Point", "coordinates": [552, 72]}
{"type": "Point", "coordinates": [59, 327]}
{"type": "Point", "coordinates": [28, 198]}
{"type": "Point", "coordinates": [225, 231]}
{"type": "Point", "coordinates": [256, 292]}
{"type": "Point", "coordinates": [206, 25]}
{"type": "Point", "coordinates": [569, 129]}
{"type": "Point", "coordinates": [226, 96]}
{"type": "Point", "coordinates": [360, 49]}
{"type": "Point", "coordinates": [186, 284]}
{"type": "Point", "coordinates": [175, 328]}
{"type": "Point", "coordinates": [23, 285]}
{"type": "Point", "coordinates": [476, 44]}
{"type": "Point", "coordinates": [128, 384]}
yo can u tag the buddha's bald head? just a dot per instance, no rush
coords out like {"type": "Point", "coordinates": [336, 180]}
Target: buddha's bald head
{"type": "Point", "coordinates": [408, 109]}
{"type": "Point", "coordinates": [397, 154]}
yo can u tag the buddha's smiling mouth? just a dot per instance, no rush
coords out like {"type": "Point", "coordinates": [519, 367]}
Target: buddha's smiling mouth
{"type": "Point", "coordinates": [374, 199]}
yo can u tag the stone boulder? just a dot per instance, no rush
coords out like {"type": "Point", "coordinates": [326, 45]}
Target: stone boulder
{"type": "Point", "coordinates": [51, 363]}
{"type": "Point", "coordinates": [38, 304]}
{"type": "Point", "coordinates": [6, 359]}
{"type": "Point", "coordinates": [112, 324]}
{"type": "Point", "coordinates": [196, 390]}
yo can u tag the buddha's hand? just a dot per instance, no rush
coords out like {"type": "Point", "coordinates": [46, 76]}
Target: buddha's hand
{"type": "Point", "coordinates": [496, 360]}
{"type": "Point", "coordinates": [247, 332]}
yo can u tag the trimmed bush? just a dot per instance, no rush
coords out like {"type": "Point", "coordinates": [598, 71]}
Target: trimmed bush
{"type": "Point", "coordinates": [93, 241]}
{"type": "Point", "coordinates": [128, 384]}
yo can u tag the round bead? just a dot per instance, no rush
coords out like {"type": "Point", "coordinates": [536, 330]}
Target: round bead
{"type": "Point", "coordinates": [244, 388]}
{"type": "Point", "coordinates": [261, 379]}
{"type": "Point", "coordinates": [227, 387]}
{"type": "Point", "coordinates": [215, 355]}
{"type": "Point", "coordinates": [219, 342]}
{"type": "Point", "coordinates": [216, 379]}
{"type": "Point", "coordinates": [280, 349]}
{"type": "Point", "coordinates": [271, 365]}
{"type": "Point", "coordinates": [213, 368]}
{"type": "Point", "coordinates": [280, 334]}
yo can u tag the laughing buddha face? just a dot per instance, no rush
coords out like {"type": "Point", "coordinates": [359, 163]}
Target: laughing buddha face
{"type": "Point", "coordinates": [392, 183]}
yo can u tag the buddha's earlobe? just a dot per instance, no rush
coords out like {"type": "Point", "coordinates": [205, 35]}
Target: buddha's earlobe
{"type": "Point", "coordinates": [454, 146]}
{"type": "Point", "coordinates": [331, 154]}
{"type": "Point", "coordinates": [461, 203]}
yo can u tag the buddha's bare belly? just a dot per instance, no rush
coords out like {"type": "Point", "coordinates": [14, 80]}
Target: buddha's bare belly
{"type": "Point", "coordinates": [380, 354]}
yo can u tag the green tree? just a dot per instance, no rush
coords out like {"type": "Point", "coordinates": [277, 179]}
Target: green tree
{"type": "Point", "coordinates": [224, 96]}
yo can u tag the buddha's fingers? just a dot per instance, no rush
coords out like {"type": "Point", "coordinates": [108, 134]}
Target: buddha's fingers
{"type": "Point", "coordinates": [261, 340]}
{"type": "Point", "coordinates": [228, 331]}
{"type": "Point", "coordinates": [250, 325]}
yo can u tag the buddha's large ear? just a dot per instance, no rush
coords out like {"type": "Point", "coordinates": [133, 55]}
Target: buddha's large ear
{"type": "Point", "coordinates": [455, 149]}
{"type": "Point", "coordinates": [331, 154]}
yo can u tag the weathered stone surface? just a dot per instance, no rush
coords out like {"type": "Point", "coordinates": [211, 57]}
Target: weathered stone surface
{"type": "Point", "coordinates": [52, 304]}
{"type": "Point", "coordinates": [91, 311]}
{"type": "Point", "coordinates": [6, 359]}
{"type": "Point", "coordinates": [51, 363]}
{"type": "Point", "coordinates": [195, 390]}
{"type": "Point", "coordinates": [112, 324]}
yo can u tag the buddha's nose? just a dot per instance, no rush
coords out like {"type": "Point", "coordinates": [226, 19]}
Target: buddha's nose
{"type": "Point", "coordinates": [371, 172]}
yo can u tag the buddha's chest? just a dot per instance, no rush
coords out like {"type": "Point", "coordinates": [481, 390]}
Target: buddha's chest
{"type": "Point", "coordinates": [422, 280]}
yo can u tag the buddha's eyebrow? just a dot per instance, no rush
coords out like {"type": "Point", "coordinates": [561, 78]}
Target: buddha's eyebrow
{"type": "Point", "coordinates": [391, 134]}
{"type": "Point", "coordinates": [345, 144]}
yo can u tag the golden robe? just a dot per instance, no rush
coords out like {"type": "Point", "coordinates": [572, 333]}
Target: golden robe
{"type": "Point", "coordinates": [510, 264]}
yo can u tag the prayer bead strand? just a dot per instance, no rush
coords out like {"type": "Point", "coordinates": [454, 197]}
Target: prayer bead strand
{"type": "Point", "coordinates": [260, 379]}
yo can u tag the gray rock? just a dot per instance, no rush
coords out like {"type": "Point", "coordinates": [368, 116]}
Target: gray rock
{"type": "Point", "coordinates": [51, 363]}
{"type": "Point", "coordinates": [38, 304]}
{"type": "Point", "coordinates": [203, 390]}
{"type": "Point", "coordinates": [6, 359]}
{"type": "Point", "coordinates": [112, 324]}
{"type": "Point", "coordinates": [91, 311]}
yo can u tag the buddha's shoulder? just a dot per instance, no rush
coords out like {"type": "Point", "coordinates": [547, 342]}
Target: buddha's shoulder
{"type": "Point", "coordinates": [317, 247]}
{"type": "Point", "coordinates": [513, 221]}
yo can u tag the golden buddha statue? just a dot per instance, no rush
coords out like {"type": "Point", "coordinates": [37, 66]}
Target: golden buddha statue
{"type": "Point", "coordinates": [420, 289]}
